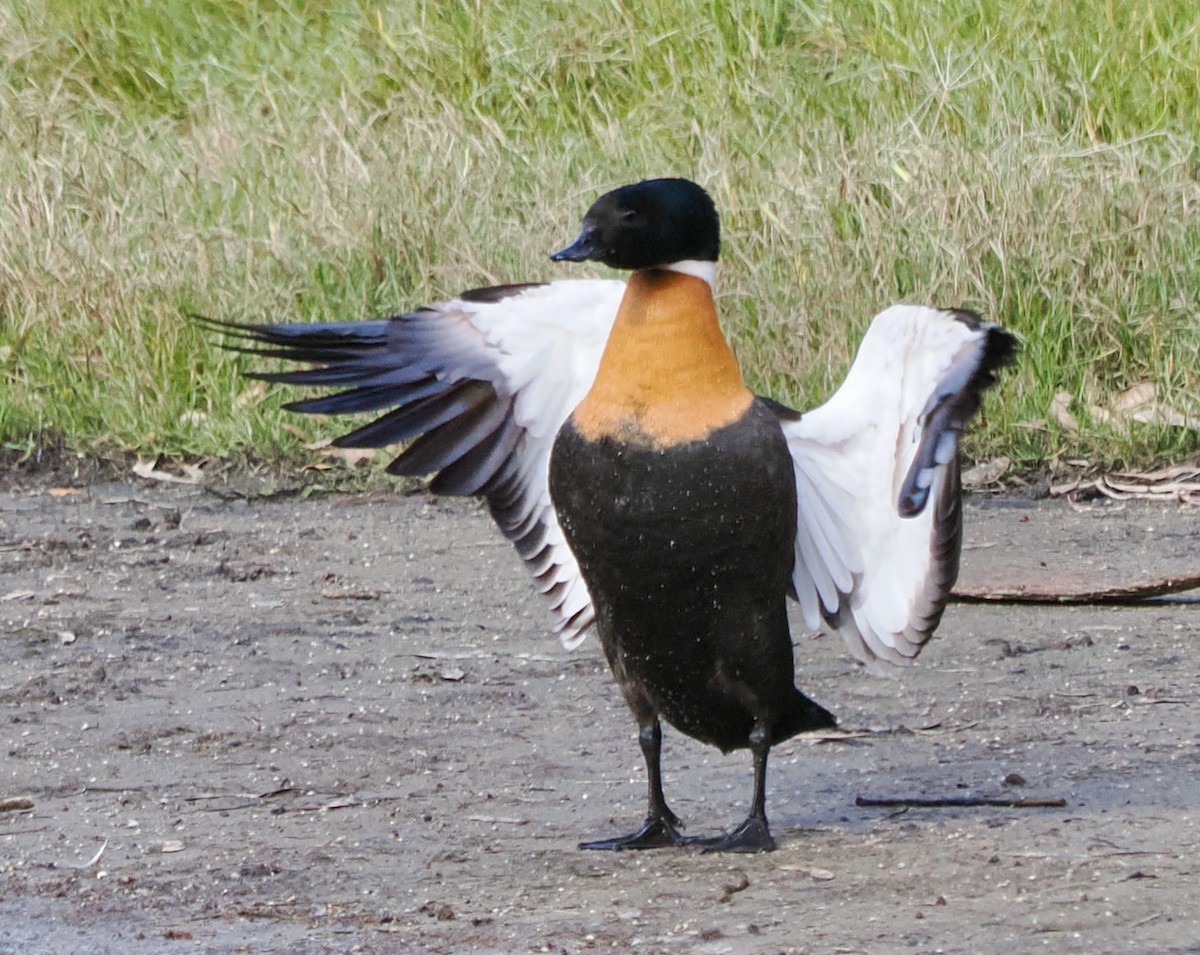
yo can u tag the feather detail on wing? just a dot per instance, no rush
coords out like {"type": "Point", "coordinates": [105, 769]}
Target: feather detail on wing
{"type": "Point", "coordinates": [879, 527]}
{"type": "Point", "coordinates": [480, 386]}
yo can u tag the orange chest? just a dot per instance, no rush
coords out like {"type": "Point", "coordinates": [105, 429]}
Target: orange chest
{"type": "Point", "coordinates": [667, 375]}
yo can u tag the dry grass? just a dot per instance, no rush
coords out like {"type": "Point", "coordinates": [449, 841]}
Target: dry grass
{"type": "Point", "coordinates": [284, 160]}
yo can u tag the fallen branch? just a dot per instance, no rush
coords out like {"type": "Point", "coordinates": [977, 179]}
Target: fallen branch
{"type": "Point", "coordinates": [955, 802]}
{"type": "Point", "coordinates": [1077, 592]}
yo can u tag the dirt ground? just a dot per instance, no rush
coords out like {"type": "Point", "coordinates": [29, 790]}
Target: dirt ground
{"type": "Point", "coordinates": [339, 724]}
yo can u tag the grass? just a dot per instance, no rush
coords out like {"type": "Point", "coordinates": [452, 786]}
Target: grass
{"type": "Point", "coordinates": [280, 160]}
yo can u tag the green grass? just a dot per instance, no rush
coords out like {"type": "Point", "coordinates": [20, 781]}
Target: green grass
{"type": "Point", "coordinates": [284, 160]}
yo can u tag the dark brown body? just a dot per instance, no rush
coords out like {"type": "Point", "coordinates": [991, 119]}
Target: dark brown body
{"type": "Point", "coordinates": [687, 552]}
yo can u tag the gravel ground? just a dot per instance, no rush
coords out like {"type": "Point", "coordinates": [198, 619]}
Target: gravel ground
{"type": "Point", "coordinates": [340, 724]}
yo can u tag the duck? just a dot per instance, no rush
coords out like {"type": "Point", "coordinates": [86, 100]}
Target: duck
{"type": "Point", "coordinates": [655, 499]}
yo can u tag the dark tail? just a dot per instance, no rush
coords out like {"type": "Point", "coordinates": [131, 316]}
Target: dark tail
{"type": "Point", "coordinates": [803, 716]}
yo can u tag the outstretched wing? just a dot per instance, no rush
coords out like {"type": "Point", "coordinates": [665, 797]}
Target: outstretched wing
{"type": "Point", "coordinates": [481, 386]}
{"type": "Point", "coordinates": [879, 528]}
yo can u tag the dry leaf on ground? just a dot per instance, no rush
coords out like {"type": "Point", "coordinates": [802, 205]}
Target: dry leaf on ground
{"type": "Point", "coordinates": [986, 473]}
{"type": "Point", "coordinates": [192, 473]}
{"type": "Point", "coordinates": [1140, 403]}
{"type": "Point", "coordinates": [1059, 411]}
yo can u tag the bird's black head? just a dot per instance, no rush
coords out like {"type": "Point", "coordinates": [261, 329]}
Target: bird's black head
{"type": "Point", "coordinates": [647, 225]}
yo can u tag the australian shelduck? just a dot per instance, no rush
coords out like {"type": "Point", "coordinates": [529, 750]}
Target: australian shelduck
{"type": "Point", "coordinates": [657, 500]}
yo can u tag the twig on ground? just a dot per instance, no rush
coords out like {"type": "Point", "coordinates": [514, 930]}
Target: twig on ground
{"type": "Point", "coordinates": [955, 802]}
{"type": "Point", "coordinates": [1078, 592]}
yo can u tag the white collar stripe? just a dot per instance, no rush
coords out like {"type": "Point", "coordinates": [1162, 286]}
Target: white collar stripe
{"type": "Point", "coordinates": [696, 268]}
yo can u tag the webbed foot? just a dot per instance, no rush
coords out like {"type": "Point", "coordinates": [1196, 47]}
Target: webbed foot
{"type": "Point", "coordinates": [751, 836]}
{"type": "Point", "coordinates": [658, 832]}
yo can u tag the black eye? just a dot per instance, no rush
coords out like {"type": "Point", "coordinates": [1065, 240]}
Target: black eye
{"type": "Point", "coordinates": [629, 215]}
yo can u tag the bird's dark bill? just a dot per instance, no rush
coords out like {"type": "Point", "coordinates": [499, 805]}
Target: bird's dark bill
{"type": "Point", "coordinates": [584, 249]}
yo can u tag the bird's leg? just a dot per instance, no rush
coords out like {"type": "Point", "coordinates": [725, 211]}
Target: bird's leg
{"type": "Point", "coordinates": [753, 835]}
{"type": "Point", "coordinates": [661, 826]}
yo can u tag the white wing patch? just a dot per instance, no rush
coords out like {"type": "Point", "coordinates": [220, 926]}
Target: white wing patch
{"type": "Point", "coordinates": [879, 519]}
{"type": "Point", "coordinates": [547, 344]}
